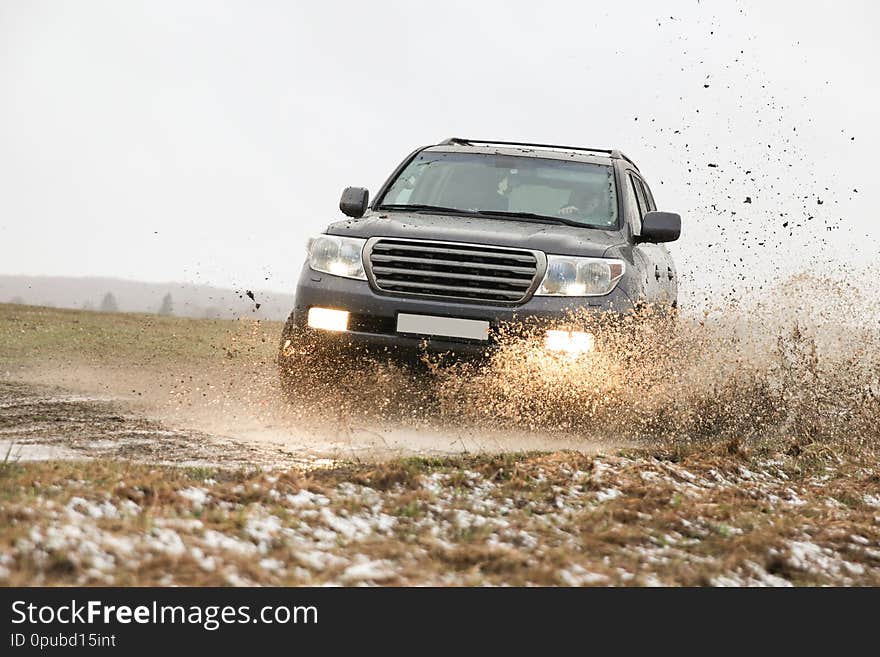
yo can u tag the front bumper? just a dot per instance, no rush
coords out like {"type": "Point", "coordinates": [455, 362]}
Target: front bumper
{"type": "Point", "coordinates": [373, 315]}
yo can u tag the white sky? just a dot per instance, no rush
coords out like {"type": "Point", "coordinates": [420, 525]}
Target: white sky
{"type": "Point", "coordinates": [197, 142]}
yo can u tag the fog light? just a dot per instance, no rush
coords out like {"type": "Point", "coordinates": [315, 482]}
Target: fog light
{"type": "Point", "coordinates": [571, 342]}
{"type": "Point", "coordinates": [328, 319]}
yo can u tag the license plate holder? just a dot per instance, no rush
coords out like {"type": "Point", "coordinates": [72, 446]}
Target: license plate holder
{"type": "Point", "coordinates": [444, 327]}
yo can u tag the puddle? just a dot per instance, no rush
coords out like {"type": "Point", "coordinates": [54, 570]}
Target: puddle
{"type": "Point", "coordinates": [12, 452]}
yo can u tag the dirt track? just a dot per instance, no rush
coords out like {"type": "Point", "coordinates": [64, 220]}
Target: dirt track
{"type": "Point", "coordinates": [39, 421]}
{"type": "Point", "coordinates": [213, 399]}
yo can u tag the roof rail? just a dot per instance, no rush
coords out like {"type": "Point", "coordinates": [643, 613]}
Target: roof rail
{"type": "Point", "coordinates": [611, 152]}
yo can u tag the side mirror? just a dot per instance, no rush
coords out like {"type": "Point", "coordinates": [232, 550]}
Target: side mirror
{"type": "Point", "coordinates": [354, 201]}
{"type": "Point", "coordinates": [660, 227]}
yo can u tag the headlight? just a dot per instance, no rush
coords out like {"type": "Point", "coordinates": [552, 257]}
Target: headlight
{"type": "Point", "coordinates": [340, 256]}
{"type": "Point", "coordinates": [568, 276]}
{"type": "Point", "coordinates": [573, 343]}
{"type": "Point", "coordinates": [328, 319]}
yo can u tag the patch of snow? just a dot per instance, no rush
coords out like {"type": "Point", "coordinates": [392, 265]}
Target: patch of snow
{"type": "Point", "coordinates": [305, 498]}
{"type": "Point", "coordinates": [434, 482]}
{"type": "Point", "coordinates": [272, 564]}
{"type": "Point", "coordinates": [809, 557]}
{"type": "Point", "coordinates": [78, 506]}
{"type": "Point", "coordinates": [166, 541]}
{"type": "Point", "coordinates": [186, 524]}
{"type": "Point", "coordinates": [317, 560]}
{"type": "Point", "coordinates": [197, 497]}
{"type": "Point", "coordinates": [206, 563]}
{"type": "Point", "coordinates": [348, 527]}
{"type": "Point", "coordinates": [577, 575]}
{"type": "Point", "coordinates": [263, 529]}
{"type": "Point", "coordinates": [368, 571]}
{"type": "Point", "coordinates": [464, 519]}
{"type": "Point", "coordinates": [750, 574]}
{"type": "Point", "coordinates": [219, 541]}
{"type": "Point", "coordinates": [234, 579]}
{"type": "Point", "coordinates": [607, 494]}
{"type": "Point", "coordinates": [129, 508]}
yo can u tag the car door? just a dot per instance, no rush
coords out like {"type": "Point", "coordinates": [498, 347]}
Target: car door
{"type": "Point", "coordinates": [668, 280]}
{"type": "Point", "coordinates": [646, 254]}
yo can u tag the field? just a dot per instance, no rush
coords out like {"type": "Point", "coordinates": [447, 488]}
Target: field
{"type": "Point", "coordinates": [148, 450]}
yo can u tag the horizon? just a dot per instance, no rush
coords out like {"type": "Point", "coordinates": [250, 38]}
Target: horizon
{"type": "Point", "coordinates": [186, 299]}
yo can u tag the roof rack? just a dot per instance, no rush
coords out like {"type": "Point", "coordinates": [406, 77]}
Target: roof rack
{"type": "Point", "coordinates": [611, 152]}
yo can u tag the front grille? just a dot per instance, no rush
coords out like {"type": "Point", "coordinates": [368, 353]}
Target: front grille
{"type": "Point", "coordinates": [456, 271]}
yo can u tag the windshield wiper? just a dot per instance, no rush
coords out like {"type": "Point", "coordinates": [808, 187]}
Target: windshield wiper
{"type": "Point", "coordinates": [516, 216]}
{"type": "Point", "coordinates": [528, 216]}
{"type": "Point", "coordinates": [419, 207]}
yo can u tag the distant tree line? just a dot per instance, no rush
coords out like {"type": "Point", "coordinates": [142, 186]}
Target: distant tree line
{"type": "Point", "coordinates": [108, 304]}
{"type": "Point", "coordinates": [167, 305]}
{"type": "Point", "coordinates": [215, 309]}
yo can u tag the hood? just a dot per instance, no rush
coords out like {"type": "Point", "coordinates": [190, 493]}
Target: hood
{"type": "Point", "coordinates": [549, 238]}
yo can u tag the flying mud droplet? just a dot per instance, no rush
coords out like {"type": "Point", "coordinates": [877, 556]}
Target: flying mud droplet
{"type": "Point", "coordinates": [252, 298]}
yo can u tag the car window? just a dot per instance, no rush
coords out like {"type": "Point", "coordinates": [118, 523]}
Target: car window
{"type": "Point", "coordinates": [633, 212]}
{"type": "Point", "coordinates": [649, 197]}
{"type": "Point", "coordinates": [577, 191]}
{"type": "Point", "coordinates": [640, 195]}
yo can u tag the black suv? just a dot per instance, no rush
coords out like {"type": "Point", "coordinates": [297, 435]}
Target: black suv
{"type": "Point", "coordinates": [469, 236]}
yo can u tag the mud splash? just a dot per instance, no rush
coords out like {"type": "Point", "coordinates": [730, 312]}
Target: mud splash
{"type": "Point", "coordinates": [802, 368]}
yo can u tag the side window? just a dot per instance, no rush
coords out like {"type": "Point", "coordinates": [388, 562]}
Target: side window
{"type": "Point", "coordinates": [634, 205]}
{"type": "Point", "coordinates": [649, 197]}
{"type": "Point", "coordinates": [640, 194]}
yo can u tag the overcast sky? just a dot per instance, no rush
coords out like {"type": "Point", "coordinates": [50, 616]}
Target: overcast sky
{"type": "Point", "coordinates": [194, 141]}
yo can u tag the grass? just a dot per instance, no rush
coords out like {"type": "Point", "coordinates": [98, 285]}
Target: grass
{"type": "Point", "coordinates": [527, 519]}
{"type": "Point", "coordinates": [33, 335]}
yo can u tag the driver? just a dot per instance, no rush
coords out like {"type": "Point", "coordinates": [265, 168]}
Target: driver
{"type": "Point", "coordinates": [587, 203]}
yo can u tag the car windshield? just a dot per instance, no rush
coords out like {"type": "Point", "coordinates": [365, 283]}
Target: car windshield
{"type": "Point", "coordinates": [566, 190]}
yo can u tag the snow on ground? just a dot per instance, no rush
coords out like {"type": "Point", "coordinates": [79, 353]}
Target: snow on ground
{"type": "Point", "coordinates": [553, 519]}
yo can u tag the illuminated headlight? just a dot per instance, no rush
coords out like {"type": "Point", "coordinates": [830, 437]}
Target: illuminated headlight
{"type": "Point", "coordinates": [328, 319]}
{"type": "Point", "coordinates": [574, 343]}
{"type": "Point", "coordinates": [340, 256]}
{"type": "Point", "coordinates": [569, 276]}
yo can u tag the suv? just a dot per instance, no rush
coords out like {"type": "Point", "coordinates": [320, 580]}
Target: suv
{"type": "Point", "coordinates": [469, 236]}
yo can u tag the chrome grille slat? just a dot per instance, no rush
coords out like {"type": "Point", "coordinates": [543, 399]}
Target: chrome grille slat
{"type": "Point", "coordinates": [524, 283]}
{"type": "Point", "coordinates": [454, 288]}
{"type": "Point", "coordinates": [451, 270]}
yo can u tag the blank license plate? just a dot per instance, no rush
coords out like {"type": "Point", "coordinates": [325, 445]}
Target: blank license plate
{"type": "Point", "coordinates": [448, 327]}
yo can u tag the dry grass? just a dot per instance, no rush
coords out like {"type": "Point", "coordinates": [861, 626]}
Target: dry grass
{"type": "Point", "coordinates": [36, 336]}
{"type": "Point", "coordinates": [706, 517]}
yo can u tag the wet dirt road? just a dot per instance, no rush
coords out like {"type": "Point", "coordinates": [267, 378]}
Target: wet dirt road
{"type": "Point", "coordinates": [231, 414]}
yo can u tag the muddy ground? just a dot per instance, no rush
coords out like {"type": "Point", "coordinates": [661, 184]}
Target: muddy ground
{"type": "Point", "coordinates": [181, 391]}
